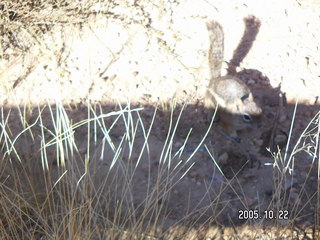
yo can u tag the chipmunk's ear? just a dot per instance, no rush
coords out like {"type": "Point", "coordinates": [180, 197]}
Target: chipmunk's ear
{"type": "Point", "coordinates": [247, 97]}
{"type": "Point", "coordinates": [244, 97]}
{"type": "Point", "coordinates": [239, 102]}
{"type": "Point", "coordinates": [218, 99]}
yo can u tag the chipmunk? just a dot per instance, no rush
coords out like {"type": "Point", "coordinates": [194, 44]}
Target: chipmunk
{"type": "Point", "coordinates": [237, 108]}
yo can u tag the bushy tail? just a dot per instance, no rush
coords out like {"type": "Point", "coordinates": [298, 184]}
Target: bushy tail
{"type": "Point", "coordinates": [216, 49]}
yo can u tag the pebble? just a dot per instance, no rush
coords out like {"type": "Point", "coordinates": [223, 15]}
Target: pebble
{"type": "Point", "coordinates": [286, 124]}
{"type": "Point", "coordinates": [304, 175]}
{"type": "Point", "coordinates": [251, 82]}
{"type": "Point", "coordinates": [288, 184]}
{"type": "Point", "coordinates": [144, 182]}
{"type": "Point", "coordinates": [145, 167]}
{"type": "Point", "coordinates": [83, 150]}
{"type": "Point", "coordinates": [177, 144]}
{"type": "Point", "coordinates": [308, 114]}
{"type": "Point", "coordinates": [280, 138]}
{"type": "Point", "coordinates": [193, 174]}
{"type": "Point", "coordinates": [265, 82]}
{"type": "Point", "coordinates": [250, 201]}
{"type": "Point", "coordinates": [256, 75]}
{"type": "Point", "coordinates": [223, 158]}
{"type": "Point", "coordinates": [282, 118]}
{"type": "Point", "coordinates": [258, 142]}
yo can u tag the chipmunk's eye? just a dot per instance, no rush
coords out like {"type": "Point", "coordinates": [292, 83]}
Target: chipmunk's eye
{"type": "Point", "coordinates": [246, 118]}
{"type": "Point", "coordinates": [244, 97]}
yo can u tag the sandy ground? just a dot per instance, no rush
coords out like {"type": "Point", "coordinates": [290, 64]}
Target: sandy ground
{"type": "Point", "coordinates": [156, 56]}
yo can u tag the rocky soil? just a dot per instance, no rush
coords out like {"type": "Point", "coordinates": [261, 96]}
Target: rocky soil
{"type": "Point", "coordinates": [155, 56]}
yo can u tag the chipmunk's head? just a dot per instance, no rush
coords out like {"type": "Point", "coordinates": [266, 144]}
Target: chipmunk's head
{"type": "Point", "coordinates": [244, 115]}
{"type": "Point", "coordinates": [237, 107]}
{"type": "Point", "coordinates": [248, 108]}
{"type": "Point", "coordinates": [246, 112]}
